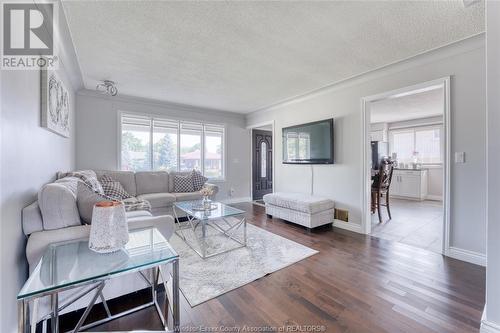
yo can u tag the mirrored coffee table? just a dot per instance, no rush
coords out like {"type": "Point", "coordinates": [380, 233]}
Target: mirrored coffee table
{"type": "Point", "coordinates": [73, 266]}
{"type": "Point", "coordinates": [211, 232]}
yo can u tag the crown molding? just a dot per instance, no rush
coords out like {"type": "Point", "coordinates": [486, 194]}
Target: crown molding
{"type": "Point", "coordinates": [128, 99]}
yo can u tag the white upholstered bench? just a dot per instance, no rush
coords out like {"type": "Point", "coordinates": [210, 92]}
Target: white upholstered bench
{"type": "Point", "coordinates": [307, 210]}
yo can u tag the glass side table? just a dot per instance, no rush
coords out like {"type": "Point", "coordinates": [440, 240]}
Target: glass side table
{"type": "Point", "coordinates": [71, 265]}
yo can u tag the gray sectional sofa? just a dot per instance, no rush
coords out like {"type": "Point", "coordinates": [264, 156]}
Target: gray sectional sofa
{"type": "Point", "coordinates": [54, 218]}
{"type": "Point", "coordinates": [157, 187]}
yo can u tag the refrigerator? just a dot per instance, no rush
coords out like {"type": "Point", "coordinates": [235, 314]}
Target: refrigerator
{"type": "Point", "coordinates": [379, 150]}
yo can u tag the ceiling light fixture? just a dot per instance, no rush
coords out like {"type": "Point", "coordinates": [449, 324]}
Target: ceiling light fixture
{"type": "Point", "coordinates": [107, 87]}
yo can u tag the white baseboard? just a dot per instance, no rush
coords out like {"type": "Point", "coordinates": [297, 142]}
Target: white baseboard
{"type": "Point", "coordinates": [468, 256]}
{"type": "Point", "coordinates": [236, 200]}
{"type": "Point", "coordinates": [348, 226]}
{"type": "Point", "coordinates": [434, 197]}
{"type": "Point", "coordinates": [488, 326]}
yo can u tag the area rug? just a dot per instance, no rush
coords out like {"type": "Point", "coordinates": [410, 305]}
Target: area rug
{"type": "Point", "coordinates": [204, 279]}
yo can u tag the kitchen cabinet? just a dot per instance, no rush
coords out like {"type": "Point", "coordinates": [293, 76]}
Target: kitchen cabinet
{"type": "Point", "coordinates": [409, 184]}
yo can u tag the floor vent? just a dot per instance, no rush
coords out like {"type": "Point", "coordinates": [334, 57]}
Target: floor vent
{"type": "Point", "coordinates": [342, 215]}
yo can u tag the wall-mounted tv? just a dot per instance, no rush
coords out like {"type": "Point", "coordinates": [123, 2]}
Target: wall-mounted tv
{"type": "Point", "coordinates": [310, 143]}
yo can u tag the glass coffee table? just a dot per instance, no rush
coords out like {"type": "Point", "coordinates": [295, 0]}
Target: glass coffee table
{"type": "Point", "coordinates": [73, 266]}
{"type": "Point", "coordinates": [211, 232]}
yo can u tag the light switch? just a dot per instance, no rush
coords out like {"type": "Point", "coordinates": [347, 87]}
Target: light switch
{"type": "Point", "coordinates": [459, 157]}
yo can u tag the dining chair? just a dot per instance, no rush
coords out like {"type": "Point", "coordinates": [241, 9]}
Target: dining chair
{"type": "Point", "coordinates": [381, 186]}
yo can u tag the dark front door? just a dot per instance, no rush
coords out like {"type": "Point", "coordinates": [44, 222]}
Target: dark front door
{"type": "Point", "coordinates": [262, 163]}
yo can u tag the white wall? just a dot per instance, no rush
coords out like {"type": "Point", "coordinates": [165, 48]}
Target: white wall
{"type": "Point", "coordinates": [97, 135]}
{"type": "Point", "coordinates": [30, 156]}
{"type": "Point", "coordinates": [464, 62]}
{"type": "Point", "coordinates": [491, 318]}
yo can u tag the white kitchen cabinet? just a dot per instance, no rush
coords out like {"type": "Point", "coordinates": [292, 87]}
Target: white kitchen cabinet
{"type": "Point", "coordinates": [409, 184]}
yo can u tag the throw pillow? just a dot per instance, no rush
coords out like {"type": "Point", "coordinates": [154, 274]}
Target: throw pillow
{"type": "Point", "coordinates": [198, 180]}
{"type": "Point", "coordinates": [183, 184]}
{"type": "Point", "coordinates": [86, 198]}
{"type": "Point", "coordinates": [89, 177]}
{"type": "Point", "coordinates": [113, 188]}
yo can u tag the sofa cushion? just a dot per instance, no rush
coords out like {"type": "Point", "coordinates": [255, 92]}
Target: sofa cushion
{"type": "Point", "coordinates": [126, 179]}
{"type": "Point", "coordinates": [187, 196]}
{"type": "Point", "coordinates": [158, 199]}
{"type": "Point", "coordinates": [151, 182]}
{"type": "Point", "coordinates": [86, 198]}
{"type": "Point", "coordinates": [299, 201]}
{"type": "Point", "coordinates": [183, 184]}
{"type": "Point", "coordinates": [137, 214]}
{"type": "Point", "coordinates": [57, 203]}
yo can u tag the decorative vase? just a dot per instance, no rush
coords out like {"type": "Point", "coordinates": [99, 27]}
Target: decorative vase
{"type": "Point", "coordinates": [109, 228]}
{"type": "Point", "coordinates": [206, 202]}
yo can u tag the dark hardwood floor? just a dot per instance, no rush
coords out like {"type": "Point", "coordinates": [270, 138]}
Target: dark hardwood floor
{"type": "Point", "coordinates": [355, 284]}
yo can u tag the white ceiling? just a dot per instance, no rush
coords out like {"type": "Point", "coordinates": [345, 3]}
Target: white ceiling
{"type": "Point", "coordinates": [411, 106]}
{"type": "Point", "coordinates": [243, 56]}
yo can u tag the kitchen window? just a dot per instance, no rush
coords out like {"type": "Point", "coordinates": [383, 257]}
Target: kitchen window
{"type": "Point", "coordinates": [423, 144]}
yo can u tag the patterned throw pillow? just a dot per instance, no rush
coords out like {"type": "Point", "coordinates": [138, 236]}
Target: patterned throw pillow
{"type": "Point", "coordinates": [88, 177]}
{"type": "Point", "coordinates": [198, 180]}
{"type": "Point", "coordinates": [113, 188]}
{"type": "Point", "coordinates": [183, 184]}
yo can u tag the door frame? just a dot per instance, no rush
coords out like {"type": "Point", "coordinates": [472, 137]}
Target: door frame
{"type": "Point", "coordinates": [250, 129]}
{"type": "Point", "coordinates": [366, 174]}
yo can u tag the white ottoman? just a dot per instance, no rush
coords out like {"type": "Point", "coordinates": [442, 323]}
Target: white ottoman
{"type": "Point", "coordinates": [307, 210]}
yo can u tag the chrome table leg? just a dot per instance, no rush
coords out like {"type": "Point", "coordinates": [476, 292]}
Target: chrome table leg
{"type": "Point", "coordinates": [175, 295]}
{"type": "Point", "coordinates": [23, 316]}
{"type": "Point", "coordinates": [54, 318]}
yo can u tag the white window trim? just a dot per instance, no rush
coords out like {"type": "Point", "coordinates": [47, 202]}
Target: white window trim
{"type": "Point", "coordinates": [414, 129]}
{"type": "Point", "coordinates": [121, 114]}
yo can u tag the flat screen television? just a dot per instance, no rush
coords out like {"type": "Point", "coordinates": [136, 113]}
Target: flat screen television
{"type": "Point", "coordinates": [310, 143]}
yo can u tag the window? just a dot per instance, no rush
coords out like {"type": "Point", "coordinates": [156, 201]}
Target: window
{"type": "Point", "coordinates": [135, 144]}
{"type": "Point", "coordinates": [214, 139]}
{"type": "Point", "coordinates": [420, 143]}
{"type": "Point", "coordinates": [263, 160]}
{"type": "Point", "coordinates": [161, 144]}
{"type": "Point", "coordinates": [165, 145]}
{"type": "Point", "coordinates": [191, 146]}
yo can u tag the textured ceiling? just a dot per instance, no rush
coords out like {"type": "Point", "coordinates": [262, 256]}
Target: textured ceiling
{"type": "Point", "coordinates": [413, 106]}
{"type": "Point", "coordinates": [243, 56]}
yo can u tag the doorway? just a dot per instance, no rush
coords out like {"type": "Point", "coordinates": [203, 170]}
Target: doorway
{"type": "Point", "coordinates": [262, 163]}
{"type": "Point", "coordinates": [410, 128]}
